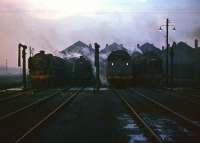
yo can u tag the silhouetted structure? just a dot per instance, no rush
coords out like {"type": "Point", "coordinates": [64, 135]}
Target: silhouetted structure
{"type": "Point", "coordinates": [97, 46]}
{"type": "Point", "coordinates": [167, 49]}
{"type": "Point", "coordinates": [24, 47]}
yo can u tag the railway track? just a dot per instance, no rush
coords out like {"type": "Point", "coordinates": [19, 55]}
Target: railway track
{"type": "Point", "coordinates": [180, 107]}
{"type": "Point", "coordinates": [20, 102]}
{"type": "Point", "coordinates": [194, 99]}
{"type": "Point", "coordinates": [147, 113]}
{"type": "Point", "coordinates": [92, 117]}
{"type": "Point", "coordinates": [15, 126]}
{"type": "Point", "coordinates": [7, 92]}
{"type": "Point", "coordinates": [12, 95]}
{"type": "Point", "coordinates": [153, 137]}
{"type": "Point", "coordinates": [11, 89]}
{"type": "Point", "coordinates": [26, 106]}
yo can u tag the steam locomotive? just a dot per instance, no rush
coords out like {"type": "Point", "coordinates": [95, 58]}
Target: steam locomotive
{"type": "Point", "coordinates": [147, 70]}
{"type": "Point", "coordinates": [46, 70]}
{"type": "Point", "coordinates": [81, 71]}
{"type": "Point", "coordinates": [119, 70]}
{"type": "Point", "coordinates": [142, 70]}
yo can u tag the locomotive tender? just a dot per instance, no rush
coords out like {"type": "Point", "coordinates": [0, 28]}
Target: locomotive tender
{"type": "Point", "coordinates": [46, 70]}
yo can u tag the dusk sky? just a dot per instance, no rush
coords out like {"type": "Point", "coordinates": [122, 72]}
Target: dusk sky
{"type": "Point", "coordinates": [55, 24]}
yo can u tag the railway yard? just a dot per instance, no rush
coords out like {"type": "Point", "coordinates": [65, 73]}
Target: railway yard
{"type": "Point", "coordinates": [132, 115]}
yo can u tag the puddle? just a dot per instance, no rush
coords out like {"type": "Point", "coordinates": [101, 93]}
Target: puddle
{"type": "Point", "coordinates": [14, 89]}
{"type": "Point", "coordinates": [89, 89]}
{"type": "Point", "coordinates": [196, 122]}
{"type": "Point", "coordinates": [11, 89]}
{"type": "Point", "coordinates": [166, 128]}
{"type": "Point", "coordinates": [137, 139]}
{"type": "Point", "coordinates": [134, 134]}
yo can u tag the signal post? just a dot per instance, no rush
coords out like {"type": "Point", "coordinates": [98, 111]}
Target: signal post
{"type": "Point", "coordinates": [97, 46]}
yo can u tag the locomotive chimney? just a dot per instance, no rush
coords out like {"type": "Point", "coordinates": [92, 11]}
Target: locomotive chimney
{"type": "Point", "coordinates": [42, 52]}
{"type": "Point", "coordinates": [196, 43]}
{"type": "Point", "coordinates": [138, 45]}
{"type": "Point", "coordinates": [163, 48]}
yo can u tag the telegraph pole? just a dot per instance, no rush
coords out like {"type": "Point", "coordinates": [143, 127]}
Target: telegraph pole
{"type": "Point", "coordinates": [167, 54]}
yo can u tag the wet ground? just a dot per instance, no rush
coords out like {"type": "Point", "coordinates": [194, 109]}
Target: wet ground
{"type": "Point", "coordinates": [91, 118]}
{"type": "Point", "coordinates": [100, 117]}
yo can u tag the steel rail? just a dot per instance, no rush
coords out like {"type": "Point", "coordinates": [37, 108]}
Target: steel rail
{"type": "Point", "coordinates": [28, 106]}
{"type": "Point", "coordinates": [47, 117]}
{"type": "Point", "coordinates": [142, 121]}
{"type": "Point", "coordinates": [186, 119]}
{"type": "Point", "coordinates": [183, 97]}
{"type": "Point", "coordinates": [11, 97]}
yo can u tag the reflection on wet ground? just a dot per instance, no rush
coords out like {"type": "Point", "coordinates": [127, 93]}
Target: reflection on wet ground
{"type": "Point", "coordinates": [133, 132]}
{"type": "Point", "coordinates": [166, 128]}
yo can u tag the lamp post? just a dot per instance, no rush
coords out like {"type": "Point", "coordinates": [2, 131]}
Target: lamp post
{"type": "Point", "coordinates": [167, 25]}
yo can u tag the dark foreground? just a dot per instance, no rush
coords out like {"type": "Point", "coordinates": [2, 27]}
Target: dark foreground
{"type": "Point", "coordinates": [110, 116]}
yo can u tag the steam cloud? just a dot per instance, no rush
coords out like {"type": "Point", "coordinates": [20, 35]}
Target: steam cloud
{"type": "Point", "coordinates": [55, 35]}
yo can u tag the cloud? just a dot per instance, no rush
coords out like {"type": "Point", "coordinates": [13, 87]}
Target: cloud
{"type": "Point", "coordinates": [196, 33]}
{"type": "Point", "coordinates": [123, 25]}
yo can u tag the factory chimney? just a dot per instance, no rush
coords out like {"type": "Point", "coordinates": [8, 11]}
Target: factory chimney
{"type": "Point", "coordinates": [196, 43]}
